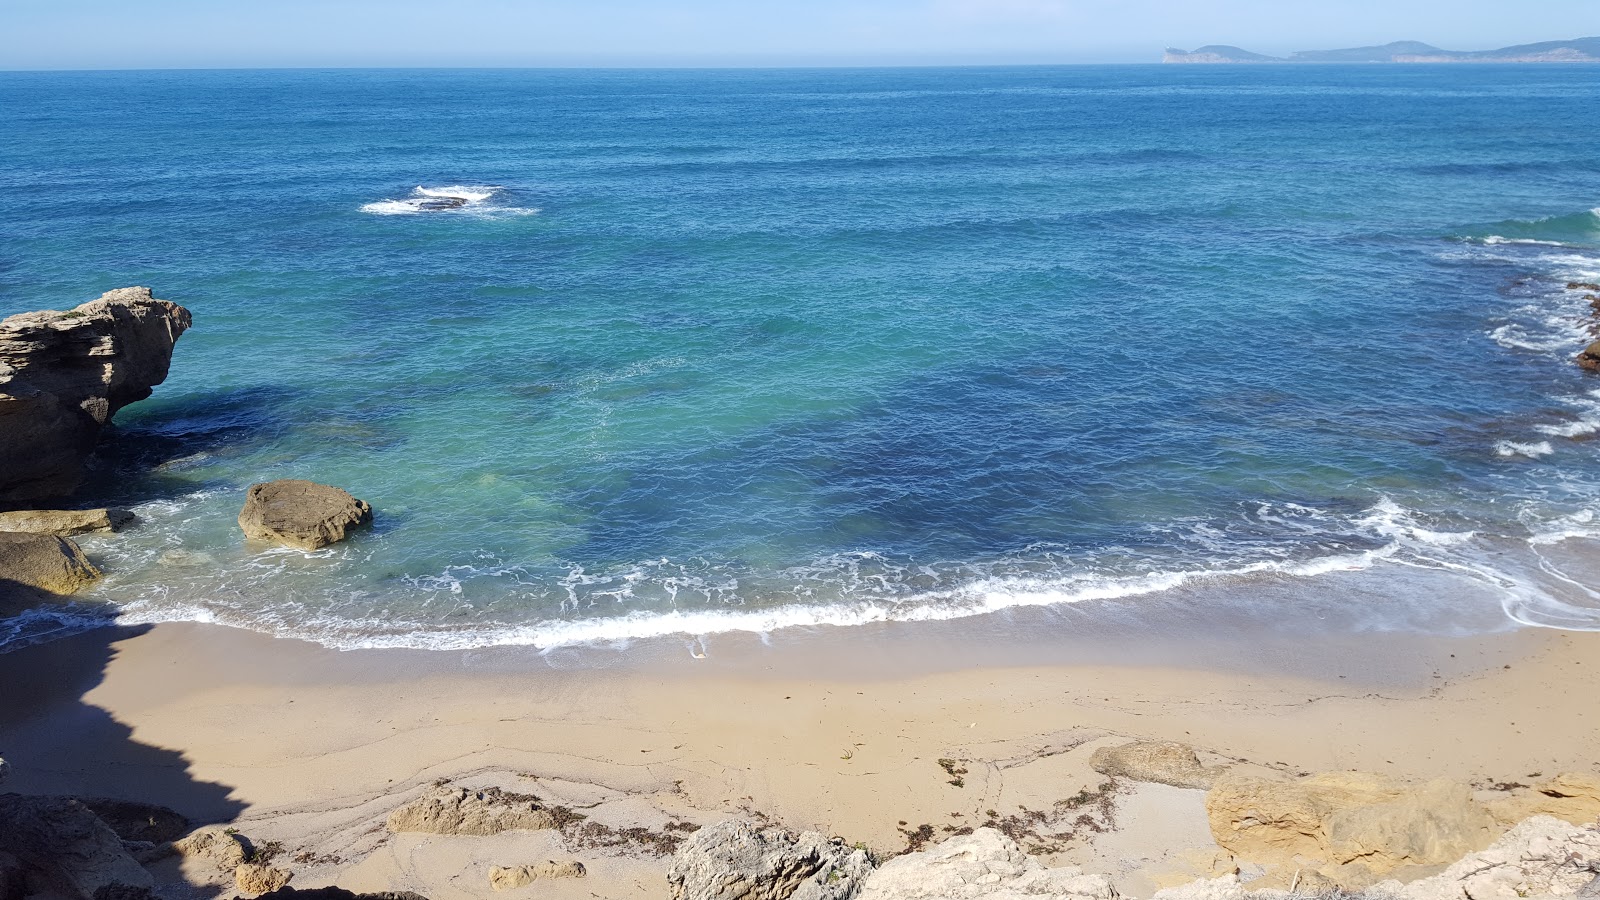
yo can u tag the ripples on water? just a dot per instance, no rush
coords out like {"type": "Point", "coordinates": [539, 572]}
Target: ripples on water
{"type": "Point", "coordinates": [624, 354]}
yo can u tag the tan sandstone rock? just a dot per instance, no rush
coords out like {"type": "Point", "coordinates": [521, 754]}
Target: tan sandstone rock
{"type": "Point", "coordinates": [254, 878]}
{"type": "Point", "coordinates": [218, 846]}
{"type": "Point", "coordinates": [59, 848]}
{"type": "Point", "coordinates": [34, 563]}
{"type": "Point", "coordinates": [508, 878]}
{"type": "Point", "coordinates": [1161, 762]}
{"type": "Point", "coordinates": [300, 514]}
{"type": "Point", "coordinates": [65, 522]}
{"type": "Point", "coordinates": [451, 810]}
{"type": "Point", "coordinates": [983, 865]}
{"type": "Point", "coordinates": [63, 375]}
{"type": "Point", "coordinates": [1571, 797]}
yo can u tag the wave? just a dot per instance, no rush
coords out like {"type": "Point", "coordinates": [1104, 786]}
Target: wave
{"type": "Point", "coordinates": [458, 199]}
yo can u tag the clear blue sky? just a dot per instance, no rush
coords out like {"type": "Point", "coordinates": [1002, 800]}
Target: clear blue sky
{"type": "Point", "coordinates": [56, 34]}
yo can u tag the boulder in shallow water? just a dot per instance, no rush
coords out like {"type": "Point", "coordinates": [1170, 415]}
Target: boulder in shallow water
{"type": "Point", "coordinates": [41, 564]}
{"type": "Point", "coordinates": [300, 514]}
{"type": "Point", "coordinates": [740, 860]}
{"type": "Point", "coordinates": [65, 522]}
{"type": "Point", "coordinates": [983, 865]}
{"type": "Point", "coordinates": [63, 375]}
{"type": "Point", "coordinates": [1590, 357]}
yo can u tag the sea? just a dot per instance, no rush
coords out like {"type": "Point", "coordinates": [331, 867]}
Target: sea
{"type": "Point", "coordinates": [620, 355]}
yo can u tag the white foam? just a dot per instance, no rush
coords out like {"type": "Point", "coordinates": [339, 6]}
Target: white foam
{"type": "Point", "coordinates": [1532, 451]}
{"type": "Point", "coordinates": [474, 200]}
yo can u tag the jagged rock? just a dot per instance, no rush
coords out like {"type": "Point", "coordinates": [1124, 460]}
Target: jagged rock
{"type": "Point", "coordinates": [1360, 825]}
{"type": "Point", "coordinates": [984, 864]}
{"type": "Point", "coordinates": [1582, 286]}
{"type": "Point", "coordinates": [448, 810]}
{"type": "Point", "coordinates": [134, 821]}
{"type": "Point", "coordinates": [1161, 762]}
{"type": "Point", "coordinates": [33, 565]}
{"type": "Point", "coordinates": [1590, 357]}
{"type": "Point", "coordinates": [63, 375]}
{"type": "Point", "coordinates": [333, 893]}
{"type": "Point", "coordinates": [739, 860]}
{"type": "Point", "coordinates": [255, 878]}
{"type": "Point", "coordinates": [1543, 856]}
{"type": "Point", "coordinates": [301, 514]}
{"type": "Point", "coordinates": [507, 878]}
{"type": "Point", "coordinates": [1571, 796]}
{"type": "Point", "coordinates": [60, 847]}
{"type": "Point", "coordinates": [65, 522]}
{"type": "Point", "coordinates": [226, 850]}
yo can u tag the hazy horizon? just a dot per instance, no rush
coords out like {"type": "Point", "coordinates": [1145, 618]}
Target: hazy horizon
{"type": "Point", "coordinates": [161, 34]}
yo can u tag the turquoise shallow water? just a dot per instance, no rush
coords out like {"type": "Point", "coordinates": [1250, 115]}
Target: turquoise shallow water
{"type": "Point", "coordinates": [710, 350]}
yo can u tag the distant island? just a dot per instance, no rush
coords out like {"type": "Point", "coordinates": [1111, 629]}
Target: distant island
{"type": "Point", "coordinates": [1581, 50]}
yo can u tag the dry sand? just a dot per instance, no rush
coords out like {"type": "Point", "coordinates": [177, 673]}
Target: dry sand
{"type": "Point", "coordinates": [841, 732]}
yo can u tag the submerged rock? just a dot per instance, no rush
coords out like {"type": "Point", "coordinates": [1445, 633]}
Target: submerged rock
{"type": "Point", "coordinates": [448, 810]}
{"type": "Point", "coordinates": [32, 565]}
{"type": "Point", "coordinates": [57, 846]}
{"type": "Point", "coordinates": [509, 878]}
{"type": "Point", "coordinates": [984, 864]}
{"type": "Point", "coordinates": [739, 860]}
{"type": "Point", "coordinates": [65, 522]}
{"type": "Point", "coordinates": [1160, 762]}
{"type": "Point", "coordinates": [300, 514]}
{"type": "Point", "coordinates": [63, 375]}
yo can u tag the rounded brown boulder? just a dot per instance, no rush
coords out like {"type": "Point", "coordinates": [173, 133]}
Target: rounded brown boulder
{"type": "Point", "coordinates": [300, 514]}
{"type": "Point", "coordinates": [31, 563]}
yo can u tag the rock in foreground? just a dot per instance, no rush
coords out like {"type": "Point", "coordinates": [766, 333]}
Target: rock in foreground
{"type": "Point", "coordinates": [738, 860]}
{"type": "Point", "coordinates": [448, 810]}
{"type": "Point", "coordinates": [63, 375]}
{"type": "Point", "coordinates": [62, 849]}
{"type": "Point", "coordinates": [984, 864]}
{"type": "Point", "coordinates": [300, 514]}
{"type": "Point", "coordinates": [65, 522]}
{"type": "Point", "coordinates": [34, 564]}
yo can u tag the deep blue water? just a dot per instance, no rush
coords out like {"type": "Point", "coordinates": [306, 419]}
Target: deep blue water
{"type": "Point", "coordinates": [739, 349]}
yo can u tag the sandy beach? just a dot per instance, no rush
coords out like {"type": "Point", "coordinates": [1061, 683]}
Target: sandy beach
{"type": "Point", "coordinates": [294, 743]}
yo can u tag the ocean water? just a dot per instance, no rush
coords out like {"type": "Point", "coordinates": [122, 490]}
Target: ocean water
{"type": "Point", "coordinates": [617, 354]}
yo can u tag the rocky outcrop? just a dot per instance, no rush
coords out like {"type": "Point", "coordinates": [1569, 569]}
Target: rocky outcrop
{"type": "Point", "coordinates": [984, 865]}
{"type": "Point", "coordinates": [1160, 762]}
{"type": "Point", "coordinates": [450, 810]}
{"type": "Point", "coordinates": [509, 878]}
{"type": "Point", "coordinates": [1589, 358]}
{"type": "Point", "coordinates": [35, 564]}
{"type": "Point", "coordinates": [257, 878]}
{"type": "Point", "coordinates": [1572, 797]}
{"type": "Point", "coordinates": [1543, 856]}
{"type": "Point", "coordinates": [63, 375]}
{"type": "Point", "coordinates": [300, 514]}
{"type": "Point", "coordinates": [57, 846]}
{"type": "Point", "coordinates": [740, 860]}
{"type": "Point", "coordinates": [1351, 827]}
{"type": "Point", "coordinates": [220, 847]}
{"type": "Point", "coordinates": [134, 821]}
{"type": "Point", "coordinates": [65, 522]}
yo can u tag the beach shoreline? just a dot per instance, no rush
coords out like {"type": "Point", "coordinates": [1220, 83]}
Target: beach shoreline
{"type": "Point", "coordinates": [295, 743]}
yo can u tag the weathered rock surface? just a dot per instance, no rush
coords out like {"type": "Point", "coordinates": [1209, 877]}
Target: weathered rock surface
{"type": "Point", "coordinates": [452, 810]}
{"type": "Point", "coordinates": [217, 846]}
{"type": "Point", "coordinates": [985, 864]}
{"type": "Point", "coordinates": [65, 522]}
{"type": "Point", "coordinates": [255, 878]}
{"type": "Point", "coordinates": [1572, 797]}
{"type": "Point", "coordinates": [1589, 358]}
{"type": "Point", "coordinates": [1351, 826]}
{"type": "Point", "coordinates": [509, 878]}
{"type": "Point", "coordinates": [739, 860]}
{"type": "Point", "coordinates": [334, 893]}
{"type": "Point", "coordinates": [31, 564]}
{"type": "Point", "coordinates": [58, 846]}
{"type": "Point", "coordinates": [1161, 762]}
{"type": "Point", "coordinates": [134, 821]}
{"type": "Point", "coordinates": [63, 375]}
{"type": "Point", "coordinates": [300, 514]}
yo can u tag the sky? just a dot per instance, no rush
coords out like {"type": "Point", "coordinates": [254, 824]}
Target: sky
{"type": "Point", "coordinates": [111, 34]}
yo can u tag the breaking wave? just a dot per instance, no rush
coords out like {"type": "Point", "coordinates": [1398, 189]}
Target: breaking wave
{"type": "Point", "coordinates": [473, 200]}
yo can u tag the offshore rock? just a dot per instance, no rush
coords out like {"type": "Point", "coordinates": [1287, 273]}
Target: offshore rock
{"type": "Point", "coordinates": [447, 810]}
{"type": "Point", "coordinates": [1590, 357]}
{"type": "Point", "coordinates": [65, 522]}
{"type": "Point", "coordinates": [1160, 762]}
{"type": "Point", "coordinates": [300, 514]}
{"type": "Point", "coordinates": [58, 847]}
{"type": "Point", "coordinates": [739, 860]}
{"type": "Point", "coordinates": [32, 565]}
{"type": "Point", "coordinates": [508, 878]}
{"type": "Point", "coordinates": [63, 375]}
{"type": "Point", "coordinates": [983, 865]}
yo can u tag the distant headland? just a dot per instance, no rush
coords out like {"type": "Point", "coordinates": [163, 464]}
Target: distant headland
{"type": "Point", "coordinates": [1580, 50]}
